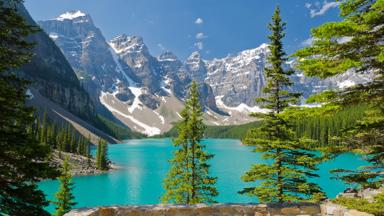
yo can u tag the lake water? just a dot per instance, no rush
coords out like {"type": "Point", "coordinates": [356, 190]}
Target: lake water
{"type": "Point", "coordinates": [144, 165]}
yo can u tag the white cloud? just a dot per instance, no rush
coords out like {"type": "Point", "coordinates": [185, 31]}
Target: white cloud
{"type": "Point", "coordinates": [319, 10]}
{"type": "Point", "coordinates": [200, 36]}
{"type": "Point", "coordinates": [199, 45]}
{"type": "Point", "coordinates": [199, 21]}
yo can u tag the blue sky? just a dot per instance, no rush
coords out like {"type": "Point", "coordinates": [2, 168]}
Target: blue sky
{"type": "Point", "coordinates": [215, 27]}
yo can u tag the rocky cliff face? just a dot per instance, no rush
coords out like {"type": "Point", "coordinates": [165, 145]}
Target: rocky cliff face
{"type": "Point", "coordinates": [53, 76]}
{"type": "Point", "coordinates": [240, 78]}
{"type": "Point", "coordinates": [134, 53]}
{"type": "Point", "coordinates": [87, 51]}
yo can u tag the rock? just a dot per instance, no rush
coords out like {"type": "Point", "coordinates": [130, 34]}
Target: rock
{"type": "Point", "coordinates": [290, 211]}
{"type": "Point", "coordinates": [150, 101]}
{"type": "Point", "coordinates": [312, 209]}
{"type": "Point", "coordinates": [353, 212]}
{"type": "Point", "coordinates": [203, 210]}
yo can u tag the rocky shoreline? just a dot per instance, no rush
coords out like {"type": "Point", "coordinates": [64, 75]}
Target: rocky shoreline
{"type": "Point", "coordinates": [80, 165]}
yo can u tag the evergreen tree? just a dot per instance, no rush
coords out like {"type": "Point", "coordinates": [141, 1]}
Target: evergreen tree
{"type": "Point", "coordinates": [44, 128]}
{"type": "Point", "coordinates": [188, 181]}
{"type": "Point", "coordinates": [88, 150]}
{"type": "Point", "coordinates": [354, 44]}
{"type": "Point", "coordinates": [285, 178]}
{"type": "Point", "coordinates": [22, 159]}
{"type": "Point", "coordinates": [64, 197]}
{"type": "Point", "coordinates": [72, 144]}
{"type": "Point", "coordinates": [101, 155]}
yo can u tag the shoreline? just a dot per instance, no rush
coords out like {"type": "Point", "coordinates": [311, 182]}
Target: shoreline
{"type": "Point", "coordinates": [80, 165]}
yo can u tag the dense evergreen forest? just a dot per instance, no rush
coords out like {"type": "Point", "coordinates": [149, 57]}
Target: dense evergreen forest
{"type": "Point", "coordinates": [61, 137]}
{"type": "Point", "coordinates": [324, 128]}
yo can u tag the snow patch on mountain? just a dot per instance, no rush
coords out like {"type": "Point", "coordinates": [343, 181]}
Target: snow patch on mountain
{"type": "Point", "coordinates": [136, 103]}
{"type": "Point", "coordinates": [148, 130]}
{"type": "Point", "coordinates": [160, 117]}
{"type": "Point", "coordinates": [240, 108]}
{"type": "Point", "coordinates": [70, 15]}
{"type": "Point", "coordinates": [53, 36]}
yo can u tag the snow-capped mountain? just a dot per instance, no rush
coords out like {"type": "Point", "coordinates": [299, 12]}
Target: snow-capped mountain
{"type": "Point", "coordinates": [88, 53]}
{"type": "Point", "coordinates": [146, 92]}
{"type": "Point", "coordinates": [239, 78]}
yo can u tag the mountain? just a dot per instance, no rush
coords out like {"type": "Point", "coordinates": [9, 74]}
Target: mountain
{"type": "Point", "coordinates": [87, 51]}
{"type": "Point", "coordinates": [147, 93]}
{"type": "Point", "coordinates": [238, 79]}
{"type": "Point", "coordinates": [55, 88]}
{"type": "Point", "coordinates": [53, 76]}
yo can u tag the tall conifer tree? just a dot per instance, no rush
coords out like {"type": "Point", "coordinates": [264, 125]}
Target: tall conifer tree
{"type": "Point", "coordinates": [102, 155]}
{"type": "Point", "coordinates": [188, 181]}
{"type": "Point", "coordinates": [65, 198]}
{"type": "Point", "coordinates": [23, 161]}
{"type": "Point", "coordinates": [285, 178]}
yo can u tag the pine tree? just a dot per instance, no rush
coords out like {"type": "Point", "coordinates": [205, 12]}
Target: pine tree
{"type": "Point", "coordinates": [80, 145]}
{"type": "Point", "coordinates": [22, 159]}
{"type": "Point", "coordinates": [67, 140]}
{"type": "Point", "coordinates": [188, 181]}
{"type": "Point", "coordinates": [354, 45]}
{"type": "Point", "coordinates": [88, 150]}
{"type": "Point", "coordinates": [64, 197]}
{"type": "Point", "coordinates": [101, 155]}
{"type": "Point", "coordinates": [285, 178]}
{"type": "Point", "coordinates": [44, 128]}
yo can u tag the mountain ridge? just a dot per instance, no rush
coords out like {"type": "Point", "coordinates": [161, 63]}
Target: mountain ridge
{"type": "Point", "coordinates": [146, 92]}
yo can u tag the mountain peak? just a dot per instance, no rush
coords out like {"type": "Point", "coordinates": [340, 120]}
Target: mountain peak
{"type": "Point", "coordinates": [71, 15]}
{"type": "Point", "coordinates": [167, 56]}
{"type": "Point", "coordinates": [124, 43]}
{"type": "Point", "coordinates": [194, 56]}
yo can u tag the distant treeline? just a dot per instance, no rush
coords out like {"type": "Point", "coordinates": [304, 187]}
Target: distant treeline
{"type": "Point", "coordinates": [324, 128]}
{"type": "Point", "coordinates": [61, 137]}
{"type": "Point", "coordinates": [320, 128]}
{"type": "Point", "coordinates": [227, 132]}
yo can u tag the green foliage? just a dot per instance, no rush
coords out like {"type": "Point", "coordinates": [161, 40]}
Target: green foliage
{"type": "Point", "coordinates": [285, 177]}
{"type": "Point", "coordinates": [64, 197]}
{"type": "Point", "coordinates": [63, 138]}
{"type": "Point", "coordinates": [102, 162]}
{"type": "Point", "coordinates": [325, 127]}
{"type": "Point", "coordinates": [354, 44]}
{"type": "Point", "coordinates": [214, 131]}
{"type": "Point", "coordinates": [376, 207]}
{"type": "Point", "coordinates": [188, 180]}
{"type": "Point", "coordinates": [230, 131]}
{"type": "Point", "coordinates": [23, 160]}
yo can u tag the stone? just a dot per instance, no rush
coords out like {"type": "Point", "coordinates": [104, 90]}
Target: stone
{"type": "Point", "coordinates": [286, 209]}
{"type": "Point", "coordinates": [310, 209]}
{"type": "Point", "coordinates": [353, 212]}
{"type": "Point", "coordinates": [290, 211]}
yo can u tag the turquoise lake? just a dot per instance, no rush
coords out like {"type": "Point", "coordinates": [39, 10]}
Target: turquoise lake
{"type": "Point", "coordinates": [144, 165]}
